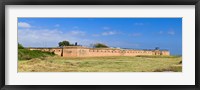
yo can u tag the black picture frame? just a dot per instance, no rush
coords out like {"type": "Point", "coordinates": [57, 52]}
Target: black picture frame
{"type": "Point", "coordinates": [3, 3]}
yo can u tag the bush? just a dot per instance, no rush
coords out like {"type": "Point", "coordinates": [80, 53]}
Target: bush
{"type": "Point", "coordinates": [25, 54]}
{"type": "Point", "coordinates": [64, 43]}
{"type": "Point", "coordinates": [20, 46]}
{"type": "Point", "coordinates": [99, 45]}
{"type": "Point", "coordinates": [180, 62]}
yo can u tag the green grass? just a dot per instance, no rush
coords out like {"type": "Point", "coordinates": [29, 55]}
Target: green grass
{"type": "Point", "coordinates": [25, 54]}
{"type": "Point", "coordinates": [156, 56]}
{"type": "Point", "coordinates": [102, 64]}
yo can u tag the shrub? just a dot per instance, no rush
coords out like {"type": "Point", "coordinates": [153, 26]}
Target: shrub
{"type": "Point", "coordinates": [25, 54]}
{"type": "Point", "coordinates": [64, 43]}
{"type": "Point", "coordinates": [20, 46]}
{"type": "Point", "coordinates": [100, 45]}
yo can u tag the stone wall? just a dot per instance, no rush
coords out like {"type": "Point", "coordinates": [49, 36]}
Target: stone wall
{"type": "Point", "coordinates": [78, 51]}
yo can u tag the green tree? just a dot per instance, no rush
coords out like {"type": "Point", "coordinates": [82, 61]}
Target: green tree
{"type": "Point", "coordinates": [20, 46]}
{"type": "Point", "coordinates": [64, 43]}
{"type": "Point", "coordinates": [100, 45]}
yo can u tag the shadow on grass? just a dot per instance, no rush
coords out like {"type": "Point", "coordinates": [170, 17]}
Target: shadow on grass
{"type": "Point", "coordinates": [175, 68]}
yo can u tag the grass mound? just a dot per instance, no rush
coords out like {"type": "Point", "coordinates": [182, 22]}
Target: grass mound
{"type": "Point", "coordinates": [25, 54]}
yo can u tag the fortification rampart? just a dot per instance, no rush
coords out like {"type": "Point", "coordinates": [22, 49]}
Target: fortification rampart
{"type": "Point", "coordinates": [78, 51]}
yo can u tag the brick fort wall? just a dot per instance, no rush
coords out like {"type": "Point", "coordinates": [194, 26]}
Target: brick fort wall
{"type": "Point", "coordinates": [79, 51]}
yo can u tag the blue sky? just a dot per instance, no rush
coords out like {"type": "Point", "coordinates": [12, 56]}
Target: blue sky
{"type": "Point", "coordinates": [135, 33]}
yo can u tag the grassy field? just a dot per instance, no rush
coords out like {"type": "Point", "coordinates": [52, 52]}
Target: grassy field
{"type": "Point", "coordinates": [102, 64]}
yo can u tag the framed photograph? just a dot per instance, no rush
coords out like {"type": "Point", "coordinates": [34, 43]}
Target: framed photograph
{"type": "Point", "coordinates": [100, 44]}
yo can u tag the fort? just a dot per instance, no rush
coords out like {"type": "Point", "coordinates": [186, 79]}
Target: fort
{"type": "Point", "coordinates": [80, 51]}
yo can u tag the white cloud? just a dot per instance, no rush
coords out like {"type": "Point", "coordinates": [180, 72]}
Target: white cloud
{"type": "Point", "coordinates": [24, 25]}
{"type": "Point", "coordinates": [57, 25]}
{"type": "Point", "coordinates": [139, 24]}
{"type": "Point", "coordinates": [171, 32]}
{"type": "Point", "coordinates": [75, 27]}
{"type": "Point", "coordinates": [49, 38]}
{"type": "Point", "coordinates": [39, 37]}
{"type": "Point", "coordinates": [121, 44]}
{"type": "Point", "coordinates": [106, 28]}
{"type": "Point", "coordinates": [109, 33]}
{"type": "Point", "coordinates": [95, 35]}
{"type": "Point", "coordinates": [77, 32]}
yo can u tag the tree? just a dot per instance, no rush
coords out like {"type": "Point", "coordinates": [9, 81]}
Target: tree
{"type": "Point", "coordinates": [157, 48]}
{"type": "Point", "coordinates": [20, 46]}
{"type": "Point", "coordinates": [64, 43]}
{"type": "Point", "coordinates": [100, 45]}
